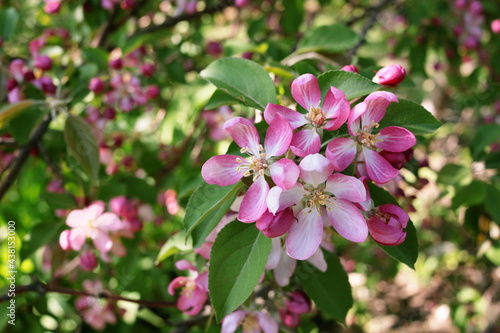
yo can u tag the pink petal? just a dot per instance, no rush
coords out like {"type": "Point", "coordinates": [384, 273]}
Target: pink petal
{"type": "Point", "coordinates": [377, 167]}
{"type": "Point", "coordinates": [354, 120]}
{"type": "Point", "coordinates": [243, 133]}
{"type": "Point", "coordinates": [177, 283]}
{"type": "Point", "coordinates": [305, 142]}
{"type": "Point", "coordinates": [284, 270]}
{"type": "Point", "coordinates": [347, 220]}
{"type": "Point", "coordinates": [315, 169]}
{"type": "Point", "coordinates": [341, 153]}
{"type": "Point", "coordinates": [395, 139]}
{"type": "Point", "coordinates": [202, 281]}
{"type": "Point", "coordinates": [284, 173]}
{"type": "Point", "coordinates": [305, 235]}
{"type": "Point", "coordinates": [191, 304]}
{"type": "Point", "coordinates": [318, 261]}
{"type": "Point", "coordinates": [277, 199]}
{"type": "Point", "coordinates": [346, 187]}
{"type": "Point", "coordinates": [278, 137]}
{"type": "Point", "coordinates": [296, 119]}
{"type": "Point", "coordinates": [102, 241]}
{"type": "Point", "coordinates": [305, 90]}
{"type": "Point", "coordinates": [336, 107]}
{"type": "Point", "coordinates": [266, 322]}
{"type": "Point", "coordinates": [274, 256]}
{"type": "Point", "coordinates": [377, 103]}
{"type": "Point", "coordinates": [275, 225]}
{"type": "Point", "coordinates": [221, 170]}
{"type": "Point", "coordinates": [95, 209]}
{"type": "Point", "coordinates": [254, 203]}
{"type": "Point", "coordinates": [109, 222]}
{"type": "Point", "coordinates": [389, 232]}
{"type": "Point", "coordinates": [399, 213]}
{"type": "Point", "coordinates": [78, 217]}
{"type": "Point", "coordinates": [183, 265]}
{"type": "Point", "coordinates": [77, 238]}
{"type": "Point", "coordinates": [231, 322]}
{"type": "Point", "coordinates": [64, 241]}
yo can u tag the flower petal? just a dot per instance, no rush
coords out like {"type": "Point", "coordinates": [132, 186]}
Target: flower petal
{"type": "Point", "coordinates": [178, 282]}
{"type": "Point", "coordinates": [305, 90]}
{"type": "Point", "coordinates": [221, 170]}
{"type": "Point", "coordinates": [243, 133]}
{"type": "Point", "coordinates": [305, 235]}
{"type": "Point", "coordinates": [305, 142]}
{"type": "Point", "coordinates": [183, 265]}
{"type": "Point", "coordinates": [77, 238]}
{"type": "Point", "coordinates": [284, 270]}
{"type": "Point", "coordinates": [202, 281]}
{"type": "Point", "coordinates": [376, 105]}
{"type": "Point", "coordinates": [274, 256]}
{"type": "Point", "coordinates": [346, 187]}
{"type": "Point", "coordinates": [95, 209]}
{"type": "Point", "coordinates": [64, 241]}
{"type": "Point", "coordinates": [284, 173]}
{"type": "Point", "coordinates": [294, 118]}
{"type": "Point", "coordinates": [254, 203]}
{"type": "Point", "coordinates": [266, 322]}
{"type": "Point", "coordinates": [78, 217]}
{"type": "Point", "coordinates": [395, 139]}
{"type": "Point", "coordinates": [275, 225]}
{"type": "Point", "coordinates": [102, 241]}
{"type": "Point", "coordinates": [278, 137]}
{"type": "Point", "coordinates": [377, 167]}
{"type": "Point", "coordinates": [341, 152]}
{"type": "Point", "coordinates": [109, 222]}
{"type": "Point", "coordinates": [315, 169]}
{"type": "Point", "coordinates": [336, 107]}
{"type": "Point", "coordinates": [398, 213]}
{"type": "Point", "coordinates": [277, 199]}
{"type": "Point", "coordinates": [231, 322]}
{"type": "Point", "coordinates": [354, 120]}
{"type": "Point", "coordinates": [347, 220]}
{"type": "Point", "coordinates": [318, 261]}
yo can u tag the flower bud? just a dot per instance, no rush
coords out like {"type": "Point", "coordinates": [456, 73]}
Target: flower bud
{"type": "Point", "coordinates": [241, 3]}
{"type": "Point", "coordinates": [127, 4]}
{"type": "Point", "coordinates": [148, 70]}
{"type": "Point", "coordinates": [387, 223]}
{"type": "Point", "coordinates": [46, 85]}
{"type": "Point", "coordinates": [476, 8]}
{"type": "Point", "coordinates": [29, 75]}
{"type": "Point", "coordinates": [96, 85]}
{"type": "Point", "coordinates": [52, 6]}
{"type": "Point", "coordinates": [350, 68]}
{"type": "Point", "coordinates": [289, 319]}
{"type": "Point", "coordinates": [298, 302]}
{"type": "Point", "coordinates": [191, 7]}
{"type": "Point", "coordinates": [152, 91]}
{"type": "Point", "coordinates": [390, 75]}
{"type": "Point", "coordinates": [109, 113]}
{"type": "Point", "coordinates": [495, 26]}
{"type": "Point", "coordinates": [397, 160]}
{"type": "Point", "coordinates": [214, 49]}
{"type": "Point", "coordinates": [16, 69]}
{"type": "Point", "coordinates": [116, 63]}
{"type": "Point", "coordinates": [460, 4]}
{"type": "Point", "coordinates": [11, 84]}
{"type": "Point", "coordinates": [88, 261]}
{"type": "Point", "coordinates": [42, 62]}
{"type": "Point", "coordinates": [275, 225]}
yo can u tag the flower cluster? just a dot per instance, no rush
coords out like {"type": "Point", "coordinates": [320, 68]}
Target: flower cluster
{"type": "Point", "coordinates": [298, 189]}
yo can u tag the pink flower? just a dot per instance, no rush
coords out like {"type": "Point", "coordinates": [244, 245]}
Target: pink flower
{"type": "Point", "coordinates": [386, 224]}
{"type": "Point", "coordinates": [96, 85]}
{"type": "Point", "coordinates": [495, 26]}
{"type": "Point", "coordinates": [194, 288]}
{"type": "Point", "coordinates": [52, 6]}
{"type": "Point", "coordinates": [91, 223]}
{"type": "Point", "coordinates": [88, 260]}
{"type": "Point", "coordinates": [332, 114]}
{"type": "Point", "coordinates": [95, 311]}
{"type": "Point", "coordinates": [126, 91]}
{"type": "Point", "coordinates": [390, 75]}
{"type": "Point", "coordinates": [225, 170]}
{"type": "Point", "coordinates": [350, 68]}
{"type": "Point", "coordinates": [42, 62]}
{"type": "Point", "coordinates": [320, 199]}
{"type": "Point", "coordinates": [16, 69]}
{"type": "Point", "coordinates": [241, 3]}
{"type": "Point", "coordinates": [251, 322]}
{"type": "Point", "coordinates": [364, 144]}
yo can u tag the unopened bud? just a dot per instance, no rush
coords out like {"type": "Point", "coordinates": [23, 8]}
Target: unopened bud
{"type": "Point", "coordinates": [350, 68]}
{"type": "Point", "coordinates": [96, 85]}
{"type": "Point", "coordinates": [152, 91]}
{"type": "Point", "coordinates": [390, 75]}
{"type": "Point", "coordinates": [495, 26]}
{"type": "Point", "coordinates": [298, 302]}
{"type": "Point", "coordinates": [116, 63]}
{"type": "Point", "coordinates": [148, 70]}
{"type": "Point", "coordinates": [88, 261]}
{"type": "Point", "coordinates": [275, 225]}
{"type": "Point", "coordinates": [42, 62]}
{"type": "Point", "coordinates": [52, 6]}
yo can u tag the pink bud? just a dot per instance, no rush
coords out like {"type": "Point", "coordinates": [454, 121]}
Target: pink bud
{"type": "Point", "coordinates": [495, 26]}
{"type": "Point", "coordinates": [241, 3]}
{"type": "Point", "coordinates": [298, 302]}
{"type": "Point", "coordinates": [247, 55]}
{"type": "Point", "coordinates": [11, 84]}
{"type": "Point", "coordinates": [116, 63]}
{"type": "Point", "coordinates": [29, 75]}
{"type": "Point", "coordinates": [476, 8]}
{"type": "Point", "coordinates": [275, 225]}
{"type": "Point", "coordinates": [15, 95]}
{"type": "Point", "coordinates": [390, 75]}
{"type": "Point", "coordinates": [471, 43]}
{"type": "Point", "coordinates": [214, 49]}
{"type": "Point", "coordinates": [289, 319]}
{"type": "Point", "coordinates": [152, 91]}
{"type": "Point", "coordinates": [52, 6]}
{"type": "Point", "coordinates": [387, 223]}
{"type": "Point", "coordinates": [397, 160]}
{"type": "Point", "coordinates": [148, 70]}
{"type": "Point", "coordinates": [460, 4]}
{"type": "Point", "coordinates": [36, 45]}
{"type": "Point", "coordinates": [42, 62]}
{"type": "Point", "coordinates": [55, 186]}
{"type": "Point", "coordinates": [109, 113]}
{"type": "Point", "coordinates": [96, 85]}
{"type": "Point", "coordinates": [458, 30]}
{"type": "Point", "coordinates": [127, 4]}
{"type": "Point", "coordinates": [88, 261]}
{"type": "Point", "coordinates": [64, 240]}
{"type": "Point", "coordinates": [47, 85]}
{"type": "Point", "coordinates": [171, 202]}
{"type": "Point", "coordinates": [350, 68]}
{"type": "Point", "coordinates": [16, 68]}
{"type": "Point", "coordinates": [191, 7]}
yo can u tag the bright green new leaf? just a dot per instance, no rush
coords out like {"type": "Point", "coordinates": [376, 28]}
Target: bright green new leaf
{"type": "Point", "coordinates": [335, 38]}
{"type": "Point", "coordinates": [352, 84]}
{"type": "Point", "coordinates": [206, 207]}
{"type": "Point", "coordinates": [237, 261]}
{"type": "Point", "coordinates": [82, 143]}
{"type": "Point", "coordinates": [330, 290]}
{"type": "Point", "coordinates": [243, 79]}
{"type": "Point", "coordinates": [411, 116]}
{"type": "Point", "coordinates": [176, 243]}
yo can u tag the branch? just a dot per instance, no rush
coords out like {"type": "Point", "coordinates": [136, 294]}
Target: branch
{"type": "Point", "coordinates": [23, 155]}
{"type": "Point", "coordinates": [43, 288]}
{"type": "Point", "coordinates": [185, 17]}
{"type": "Point", "coordinates": [373, 13]}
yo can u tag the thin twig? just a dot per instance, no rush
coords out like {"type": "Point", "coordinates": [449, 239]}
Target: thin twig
{"type": "Point", "coordinates": [23, 155]}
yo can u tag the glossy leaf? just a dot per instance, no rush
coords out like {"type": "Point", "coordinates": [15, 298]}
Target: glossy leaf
{"type": "Point", "coordinates": [330, 290]}
{"type": "Point", "coordinates": [328, 38]}
{"type": "Point", "coordinates": [237, 261]}
{"type": "Point", "coordinates": [242, 79]}
{"type": "Point", "coordinates": [13, 110]}
{"type": "Point", "coordinates": [206, 207]}
{"type": "Point", "coordinates": [411, 116]}
{"type": "Point", "coordinates": [220, 98]}
{"type": "Point", "coordinates": [352, 84]}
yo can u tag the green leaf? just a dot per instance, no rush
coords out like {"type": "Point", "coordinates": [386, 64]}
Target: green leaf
{"type": "Point", "coordinates": [330, 290]}
{"type": "Point", "coordinates": [407, 252]}
{"type": "Point", "coordinates": [485, 135]}
{"type": "Point", "coordinates": [176, 243]}
{"type": "Point", "coordinates": [492, 202]}
{"type": "Point", "coordinates": [41, 234]}
{"type": "Point", "coordinates": [352, 84]}
{"type": "Point", "coordinates": [237, 261]}
{"type": "Point", "coordinates": [469, 195]}
{"type": "Point", "coordinates": [453, 174]}
{"type": "Point", "coordinates": [82, 143]}
{"type": "Point", "coordinates": [11, 111]}
{"type": "Point", "coordinates": [56, 200]}
{"type": "Point", "coordinates": [220, 98]}
{"type": "Point", "coordinates": [96, 55]}
{"type": "Point", "coordinates": [8, 22]}
{"type": "Point", "coordinates": [335, 38]}
{"type": "Point", "coordinates": [206, 207]}
{"type": "Point", "coordinates": [138, 188]}
{"type": "Point", "coordinates": [292, 15]}
{"type": "Point", "coordinates": [411, 116]}
{"type": "Point", "coordinates": [23, 124]}
{"type": "Point", "coordinates": [242, 79]}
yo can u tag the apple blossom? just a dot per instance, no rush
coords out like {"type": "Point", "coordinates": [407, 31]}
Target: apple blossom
{"type": "Point", "coordinates": [251, 322]}
{"type": "Point", "coordinates": [390, 75]}
{"type": "Point", "coordinates": [194, 288]}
